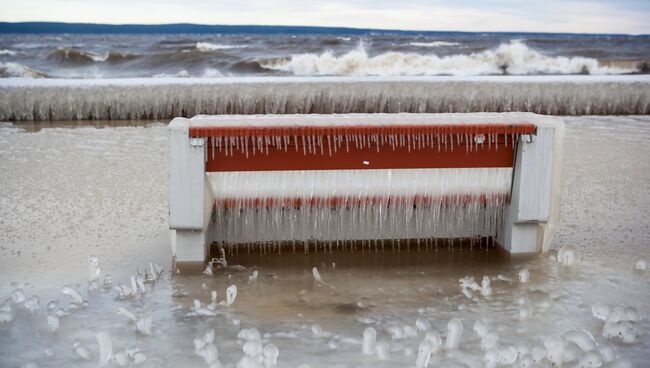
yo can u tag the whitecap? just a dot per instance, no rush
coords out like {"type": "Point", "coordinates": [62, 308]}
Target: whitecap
{"type": "Point", "coordinates": [207, 46]}
{"type": "Point", "coordinates": [513, 58]}
{"type": "Point", "coordinates": [434, 44]}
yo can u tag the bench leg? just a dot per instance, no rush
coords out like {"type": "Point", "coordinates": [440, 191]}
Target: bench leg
{"type": "Point", "coordinates": [519, 238]}
{"type": "Point", "coordinates": [189, 250]}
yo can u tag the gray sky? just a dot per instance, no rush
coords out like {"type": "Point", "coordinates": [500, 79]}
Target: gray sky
{"type": "Point", "coordinates": [588, 16]}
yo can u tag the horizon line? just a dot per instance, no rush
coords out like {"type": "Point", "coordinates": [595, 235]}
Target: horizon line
{"type": "Point", "coordinates": [50, 27]}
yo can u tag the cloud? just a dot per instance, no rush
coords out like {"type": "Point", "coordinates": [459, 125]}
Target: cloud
{"type": "Point", "coordinates": [628, 16]}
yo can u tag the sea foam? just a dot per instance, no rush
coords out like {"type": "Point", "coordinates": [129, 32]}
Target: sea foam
{"type": "Point", "coordinates": [513, 58]}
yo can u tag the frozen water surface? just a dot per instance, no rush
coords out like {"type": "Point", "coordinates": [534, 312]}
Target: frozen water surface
{"type": "Point", "coordinates": [71, 194]}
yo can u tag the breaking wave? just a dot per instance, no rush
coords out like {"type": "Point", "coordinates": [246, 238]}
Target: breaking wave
{"type": "Point", "coordinates": [15, 70]}
{"type": "Point", "coordinates": [434, 44]}
{"type": "Point", "coordinates": [7, 52]}
{"type": "Point", "coordinates": [207, 46]}
{"type": "Point", "coordinates": [73, 57]}
{"type": "Point", "coordinates": [514, 58]}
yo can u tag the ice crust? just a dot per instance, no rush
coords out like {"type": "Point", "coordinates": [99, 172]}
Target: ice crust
{"type": "Point", "coordinates": [165, 98]}
{"type": "Point", "coordinates": [605, 216]}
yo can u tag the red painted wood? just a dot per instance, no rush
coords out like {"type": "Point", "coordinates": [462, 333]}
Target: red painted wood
{"type": "Point", "coordinates": [333, 202]}
{"type": "Point", "coordinates": [224, 131]}
{"type": "Point", "coordinates": [362, 158]}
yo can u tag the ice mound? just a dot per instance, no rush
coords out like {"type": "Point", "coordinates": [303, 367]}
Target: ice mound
{"type": "Point", "coordinates": [142, 324]}
{"type": "Point", "coordinates": [16, 70]}
{"type": "Point", "coordinates": [454, 334]}
{"type": "Point", "coordinates": [620, 322]}
{"type": "Point", "coordinates": [369, 341]}
{"type": "Point", "coordinates": [205, 348]}
{"type": "Point", "coordinates": [568, 255]}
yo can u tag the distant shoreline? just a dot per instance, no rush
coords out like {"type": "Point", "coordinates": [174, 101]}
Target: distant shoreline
{"type": "Point", "coordinates": [190, 28]}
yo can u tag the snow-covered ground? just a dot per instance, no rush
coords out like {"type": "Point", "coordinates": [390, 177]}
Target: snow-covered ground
{"type": "Point", "coordinates": [67, 194]}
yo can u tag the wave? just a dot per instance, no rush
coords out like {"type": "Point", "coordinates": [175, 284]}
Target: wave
{"type": "Point", "coordinates": [15, 70]}
{"type": "Point", "coordinates": [514, 58]}
{"type": "Point", "coordinates": [74, 56]}
{"type": "Point", "coordinates": [117, 57]}
{"type": "Point", "coordinates": [248, 67]}
{"type": "Point", "coordinates": [434, 44]}
{"type": "Point", "coordinates": [207, 46]}
{"type": "Point", "coordinates": [78, 57]}
{"type": "Point", "coordinates": [7, 52]}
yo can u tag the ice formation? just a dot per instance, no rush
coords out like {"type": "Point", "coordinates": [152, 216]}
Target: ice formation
{"type": "Point", "coordinates": [167, 98]}
{"type": "Point", "coordinates": [81, 352]}
{"type": "Point", "coordinates": [454, 334]}
{"type": "Point", "coordinates": [105, 348]}
{"type": "Point", "coordinates": [369, 341]}
{"type": "Point", "coordinates": [524, 275]}
{"type": "Point", "coordinates": [317, 275]}
{"type": "Point", "coordinates": [257, 354]}
{"type": "Point", "coordinates": [424, 354]}
{"type": "Point", "coordinates": [500, 357]}
{"type": "Point", "coordinates": [435, 340]}
{"type": "Point", "coordinates": [231, 295]}
{"type": "Point", "coordinates": [433, 296]}
{"type": "Point", "coordinates": [468, 285]}
{"type": "Point", "coordinates": [53, 323]}
{"type": "Point", "coordinates": [78, 300]}
{"type": "Point", "coordinates": [383, 350]}
{"type": "Point", "coordinates": [127, 291]}
{"type": "Point", "coordinates": [129, 356]}
{"type": "Point", "coordinates": [94, 270]}
{"type": "Point", "coordinates": [198, 309]}
{"type": "Point", "coordinates": [17, 296]}
{"type": "Point", "coordinates": [568, 255]}
{"type": "Point", "coordinates": [142, 325]}
{"type": "Point", "coordinates": [440, 195]}
{"type": "Point", "coordinates": [422, 325]}
{"type": "Point", "coordinates": [205, 348]}
{"type": "Point", "coordinates": [271, 353]}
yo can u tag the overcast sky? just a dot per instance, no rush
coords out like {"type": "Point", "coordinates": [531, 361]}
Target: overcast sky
{"type": "Point", "coordinates": [589, 16]}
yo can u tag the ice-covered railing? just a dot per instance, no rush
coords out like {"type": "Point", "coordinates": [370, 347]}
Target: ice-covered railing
{"type": "Point", "coordinates": [55, 99]}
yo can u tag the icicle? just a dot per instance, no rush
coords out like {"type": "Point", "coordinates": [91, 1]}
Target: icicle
{"type": "Point", "coordinates": [329, 144]}
{"type": "Point", "coordinates": [213, 146]}
{"type": "Point", "coordinates": [320, 144]}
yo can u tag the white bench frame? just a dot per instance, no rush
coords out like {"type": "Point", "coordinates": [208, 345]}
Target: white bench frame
{"type": "Point", "coordinates": [530, 218]}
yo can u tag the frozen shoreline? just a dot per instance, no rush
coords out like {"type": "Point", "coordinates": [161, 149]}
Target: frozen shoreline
{"type": "Point", "coordinates": [75, 193]}
{"type": "Point", "coordinates": [164, 98]}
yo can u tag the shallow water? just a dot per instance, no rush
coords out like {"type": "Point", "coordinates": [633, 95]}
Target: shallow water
{"type": "Point", "coordinates": [70, 193]}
